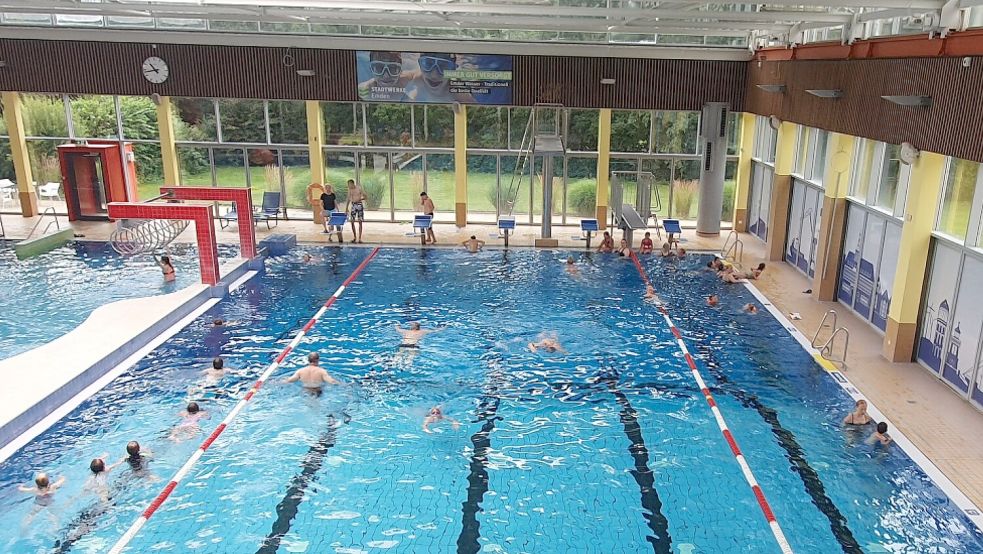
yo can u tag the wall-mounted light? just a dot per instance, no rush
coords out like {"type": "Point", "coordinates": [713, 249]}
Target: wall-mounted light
{"type": "Point", "coordinates": [306, 72]}
{"type": "Point", "coordinates": [825, 93]}
{"type": "Point", "coordinates": [919, 101]}
{"type": "Point", "coordinates": [772, 88]}
{"type": "Point", "coordinates": [3, 63]}
{"type": "Point", "coordinates": [607, 81]}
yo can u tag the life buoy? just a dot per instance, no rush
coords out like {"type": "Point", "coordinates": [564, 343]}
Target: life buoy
{"type": "Point", "coordinates": [314, 192]}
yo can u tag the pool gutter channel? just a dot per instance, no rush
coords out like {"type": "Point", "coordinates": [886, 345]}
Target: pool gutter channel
{"type": "Point", "coordinates": [87, 380]}
{"type": "Point", "coordinates": [965, 505]}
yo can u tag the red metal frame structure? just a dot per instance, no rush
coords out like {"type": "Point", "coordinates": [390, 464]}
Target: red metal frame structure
{"type": "Point", "coordinates": [241, 197]}
{"type": "Point", "coordinates": [204, 228]}
{"type": "Point", "coordinates": [203, 218]}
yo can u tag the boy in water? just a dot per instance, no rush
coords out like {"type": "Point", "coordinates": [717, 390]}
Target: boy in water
{"type": "Point", "coordinates": [437, 414]}
{"type": "Point", "coordinates": [43, 491]}
{"type": "Point", "coordinates": [880, 435]}
{"type": "Point", "coordinates": [473, 245]}
{"type": "Point", "coordinates": [189, 427]}
{"type": "Point", "coordinates": [547, 342]}
{"type": "Point", "coordinates": [98, 482]}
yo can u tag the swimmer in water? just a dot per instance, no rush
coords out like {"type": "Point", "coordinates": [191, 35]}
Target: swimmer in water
{"type": "Point", "coordinates": [437, 414]}
{"type": "Point", "coordinates": [409, 345]}
{"type": "Point", "coordinates": [167, 268]}
{"type": "Point", "coordinates": [607, 243]}
{"type": "Point", "coordinates": [547, 342]}
{"type": "Point", "coordinates": [880, 436]}
{"type": "Point", "coordinates": [571, 267]}
{"type": "Point", "coordinates": [218, 322]}
{"type": "Point", "coordinates": [98, 481]}
{"type": "Point", "coordinates": [651, 296]}
{"type": "Point", "coordinates": [713, 300]}
{"type": "Point", "coordinates": [215, 373]}
{"type": "Point", "coordinates": [666, 250]}
{"type": "Point", "coordinates": [313, 377]}
{"type": "Point", "coordinates": [138, 460]}
{"type": "Point", "coordinates": [647, 245]}
{"type": "Point", "coordinates": [680, 252]}
{"type": "Point", "coordinates": [473, 245]}
{"type": "Point", "coordinates": [624, 250]}
{"type": "Point", "coordinates": [43, 491]}
{"type": "Point", "coordinates": [859, 414]}
{"type": "Point", "coordinates": [188, 427]}
{"type": "Point", "coordinates": [750, 308]}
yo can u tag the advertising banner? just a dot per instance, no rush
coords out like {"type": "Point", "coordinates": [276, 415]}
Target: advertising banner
{"type": "Point", "coordinates": [434, 78]}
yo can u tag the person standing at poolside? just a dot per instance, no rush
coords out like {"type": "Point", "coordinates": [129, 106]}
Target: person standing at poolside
{"type": "Point", "coordinates": [428, 209]}
{"type": "Point", "coordinates": [356, 208]}
{"type": "Point", "coordinates": [313, 377]}
{"type": "Point", "coordinates": [329, 203]}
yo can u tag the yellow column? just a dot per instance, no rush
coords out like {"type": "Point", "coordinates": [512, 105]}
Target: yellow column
{"type": "Point", "coordinates": [168, 150]}
{"type": "Point", "coordinates": [781, 191]}
{"type": "Point", "coordinates": [836, 182]}
{"type": "Point", "coordinates": [460, 165]}
{"type": "Point", "coordinates": [315, 140]}
{"type": "Point", "coordinates": [741, 194]}
{"type": "Point", "coordinates": [603, 166]}
{"type": "Point", "coordinates": [924, 189]}
{"type": "Point", "coordinates": [18, 151]}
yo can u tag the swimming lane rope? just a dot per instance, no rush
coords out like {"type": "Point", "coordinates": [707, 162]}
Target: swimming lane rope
{"type": "Point", "coordinates": [186, 468]}
{"type": "Point", "coordinates": [759, 495]}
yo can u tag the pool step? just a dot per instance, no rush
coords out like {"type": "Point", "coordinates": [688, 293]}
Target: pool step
{"type": "Point", "coordinates": [35, 247]}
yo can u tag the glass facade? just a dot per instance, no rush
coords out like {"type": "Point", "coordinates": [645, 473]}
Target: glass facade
{"type": "Point", "coordinates": [879, 178]}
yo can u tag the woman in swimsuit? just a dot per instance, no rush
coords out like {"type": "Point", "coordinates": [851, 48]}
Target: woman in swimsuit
{"type": "Point", "coordinates": [607, 243]}
{"type": "Point", "coordinates": [167, 268]}
{"type": "Point", "coordinates": [624, 250]}
{"type": "Point", "coordinates": [859, 415]}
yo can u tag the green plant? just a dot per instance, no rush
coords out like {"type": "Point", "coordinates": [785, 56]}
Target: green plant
{"type": "Point", "coordinates": [375, 188]}
{"type": "Point", "coordinates": [582, 197]}
{"type": "Point", "coordinates": [684, 194]}
{"type": "Point", "coordinates": [727, 212]}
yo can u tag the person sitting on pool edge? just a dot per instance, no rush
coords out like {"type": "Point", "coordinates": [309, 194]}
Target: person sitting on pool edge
{"type": "Point", "coordinates": [473, 245]}
{"type": "Point", "coordinates": [437, 414]}
{"type": "Point", "coordinates": [646, 246]}
{"type": "Point", "coordinates": [859, 414]}
{"type": "Point", "coordinates": [624, 250]}
{"type": "Point", "coordinates": [607, 243]}
{"type": "Point", "coordinates": [880, 435]}
{"type": "Point", "coordinates": [312, 376]}
{"type": "Point", "coordinates": [547, 342]}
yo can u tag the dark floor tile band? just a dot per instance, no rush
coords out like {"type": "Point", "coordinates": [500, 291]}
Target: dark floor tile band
{"type": "Point", "coordinates": [657, 522]}
{"type": "Point", "coordinates": [793, 451]}
{"type": "Point", "coordinates": [287, 509]}
{"type": "Point", "coordinates": [467, 541]}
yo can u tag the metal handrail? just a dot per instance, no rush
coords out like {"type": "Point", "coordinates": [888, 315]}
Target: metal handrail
{"type": "Point", "coordinates": [822, 324]}
{"type": "Point", "coordinates": [733, 250]}
{"type": "Point", "coordinates": [727, 243]}
{"type": "Point", "coordinates": [827, 349]}
{"type": "Point", "coordinates": [50, 210]}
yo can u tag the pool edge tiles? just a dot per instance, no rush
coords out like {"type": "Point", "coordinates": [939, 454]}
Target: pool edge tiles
{"type": "Point", "coordinates": [62, 372]}
{"type": "Point", "coordinates": [965, 505]}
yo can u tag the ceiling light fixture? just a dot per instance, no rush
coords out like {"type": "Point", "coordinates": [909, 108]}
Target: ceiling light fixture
{"type": "Point", "coordinates": [306, 72]}
{"type": "Point", "coordinates": [607, 81]}
{"type": "Point", "coordinates": [825, 93]}
{"type": "Point", "coordinates": [772, 88]}
{"type": "Point", "coordinates": [916, 100]}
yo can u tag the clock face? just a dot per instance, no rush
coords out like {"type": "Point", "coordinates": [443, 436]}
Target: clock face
{"type": "Point", "coordinates": [155, 70]}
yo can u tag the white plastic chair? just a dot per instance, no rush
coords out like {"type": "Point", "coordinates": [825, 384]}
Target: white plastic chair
{"type": "Point", "coordinates": [49, 191]}
{"type": "Point", "coordinates": [7, 190]}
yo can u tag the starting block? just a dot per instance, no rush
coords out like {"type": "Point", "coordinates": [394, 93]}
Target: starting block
{"type": "Point", "coordinates": [505, 225]}
{"type": "Point", "coordinates": [421, 223]}
{"type": "Point", "coordinates": [587, 226]}
{"type": "Point", "coordinates": [338, 218]}
{"type": "Point", "coordinates": [672, 229]}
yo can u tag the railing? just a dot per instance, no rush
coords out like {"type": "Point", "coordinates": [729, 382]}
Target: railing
{"type": "Point", "coordinates": [526, 147]}
{"type": "Point", "coordinates": [733, 250]}
{"type": "Point", "coordinates": [144, 236]}
{"type": "Point", "coordinates": [826, 349]}
{"type": "Point", "coordinates": [47, 211]}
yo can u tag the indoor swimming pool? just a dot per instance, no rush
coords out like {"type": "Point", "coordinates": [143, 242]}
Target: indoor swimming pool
{"type": "Point", "coordinates": [71, 281]}
{"type": "Point", "coordinates": [608, 446]}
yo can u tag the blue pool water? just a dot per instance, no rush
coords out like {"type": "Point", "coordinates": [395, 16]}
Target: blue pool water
{"type": "Point", "coordinates": [607, 448]}
{"type": "Point", "coordinates": [47, 296]}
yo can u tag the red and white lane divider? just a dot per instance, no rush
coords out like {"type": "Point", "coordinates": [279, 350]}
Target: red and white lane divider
{"type": "Point", "coordinates": [183, 471]}
{"type": "Point", "coordinates": [776, 529]}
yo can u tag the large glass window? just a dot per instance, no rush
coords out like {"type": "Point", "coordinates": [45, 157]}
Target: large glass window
{"type": "Point", "coordinates": [582, 187]}
{"type": "Point", "coordinates": [44, 115]}
{"type": "Point", "coordinates": [630, 131]}
{"type": "Point", "coordinates": [242, 120]}
{"type": "Point", "coordinates": [487, 127]}
{"type": "Point", "coordinates": [288, 122]}
{"type": "Point", "coordinates": [864, 164]}
{"type": "Point", "coordinates": [342, 123]}
{"type": "Point", "coordinates": [198, 120]}
{"type": "Point", "coordinates": [890, 177]}
{"type": "Point", "coordinates": [94, 117]}
{"type": "Point", "coordinates": [440, 185]}
{"type": "Point", "coordinates": [433, 126]}
{"type": "Point", "coordinates": [957, 198]}
{"type": "Point", "coordinates": [230, 167]}
{"type": "Point", "coordinates": [582, 130]}
{"type": "Point", "coordinates": [675, 132]}
{"type": "Point", "coordinates": [483, 194]}
{"type": "Point", "coordinates": [685, 189]}
{"type": "Point", "coordinates": [389, 124]}
{"type": "Point", "coordinates": [520, 127]}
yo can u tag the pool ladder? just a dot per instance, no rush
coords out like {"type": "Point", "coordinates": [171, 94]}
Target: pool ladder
{"type": "Point", "coordinates": [50, 210]}
{"type": "Point", "coordinates": [733, 250]}
{"type": "Point", "coordinates": [826, 349]}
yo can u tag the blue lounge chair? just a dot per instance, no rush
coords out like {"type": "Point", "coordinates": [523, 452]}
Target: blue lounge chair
{"type": "Point", "coordinates": [269, 210]}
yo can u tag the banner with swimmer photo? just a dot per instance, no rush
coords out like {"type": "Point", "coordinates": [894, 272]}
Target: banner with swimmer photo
{"type": "Point", "coordinates": [434, 78]}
